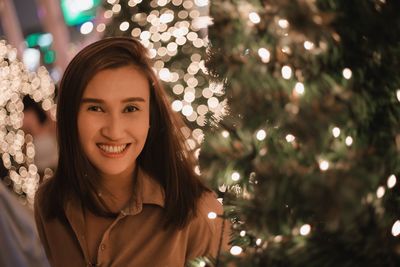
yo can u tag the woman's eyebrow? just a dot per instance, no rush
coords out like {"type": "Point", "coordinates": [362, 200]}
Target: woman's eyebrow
{"type": "Point", "coordinates": [100, 101]}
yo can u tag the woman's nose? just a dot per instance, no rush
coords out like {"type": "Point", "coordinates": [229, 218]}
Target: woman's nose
{"type": "Point", "coordinates": [113, 128]}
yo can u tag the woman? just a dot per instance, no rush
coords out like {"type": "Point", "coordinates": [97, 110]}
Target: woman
{"type": "Point", "coordinates": [125, 192]}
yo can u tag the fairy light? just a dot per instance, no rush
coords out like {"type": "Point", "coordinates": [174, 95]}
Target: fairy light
{"type": "Point", "coordinates": [392, 180]}
{"type": "Point", "coordinates": [336, 132]}
{"type": "Point", "coordinates": [116, 8]}
{"type": "Point", "coordinates": [283, 23]}
{"type": "Point", "coordinates": [349, 141]}
{"type": "Point", "coordinates": [235, 176]}
{"type": "Point", "coordinates": [242, 233]}
{"type": "Point", "coordinates": [212, 215]}
{"type": "Point", "coordinates": [290, 138]}
{"type": "Point", "coordinates": [308, 45]}
{"type": "Point", "coordinates": [258, 241]}
{"type": "Point", "coordinates": [299, 88]}
{"type": "Point", "coordinates": [324, 165]}
{"type": "Point", "coordinates": [187, 110]}
{"type": "Point", "coordinates": [254, 17]}
{"type": "Point", "coordinates": [261, 135]}
{"type": "Point", "coordinates": [201, 3]}
{"type": "Point", "coordinates": [124, 26]}
{"type": "Point", "coordinates": [225, 134]}
{"type": "Point", "coordinates": [347, 73]}
{"type": "Point", "coordinates": [202, 263]}
{"type": "Point", "coordinates": [177, 105]}
{"type": "Point", "coordinates": [305, 229]}
{"type": "Point", "coordinates": [264, 54]}
{"type": "Point", "coordinates": [380, 192]}
{"type": "Point", "coordinates": [286, 72]}
{"type": "Point", "coordinates": [101, 27]}
{"type": "Point", "coordinates": [17, 149]}
{"type": "Point", "coordinates": [396, 228]}
{"type": "Point", "coordinates": [86, 27]}
{"type": "Point", "coordinates": [236, 250]}
{"type": "Point", "coordinates": [398, 95]}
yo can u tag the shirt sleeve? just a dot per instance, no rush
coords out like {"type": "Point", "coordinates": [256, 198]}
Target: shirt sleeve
{"type": "Point", "coordinates": [209, 232]}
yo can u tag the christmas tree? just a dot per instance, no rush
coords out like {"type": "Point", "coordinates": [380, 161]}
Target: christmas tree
{"type": "Point", "coordinates": [175, 34]}
{"type": "Point", "coordinates": [309, 156]}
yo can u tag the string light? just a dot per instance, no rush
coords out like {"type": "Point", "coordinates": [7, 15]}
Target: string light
{"type": "Point", "coordinates": [286, 72]}
{"type": "Point", "coordinates": [264, 55]}
{"type": "Point", "coordinates": [13, 141]}
{"type": "Point", "coordinates": [324, 165]}
{"type": "Point", "coordinates": [308, 45]}
{"type": "Point", "coordinates": [236, 250]}
{"type": "Point", "coordinates": [124, 26]}
{"type": "Point", "coordinates": [336, 132]}
{"type": "Point", "coordinates": [212, 215]}
{"type": "Point", "coordinates": [349, 141]}
{"type": "Point", "coordinates": [258, 241]}
{"type": "Point", "coordinates": [235, 176]}
{"type": "Point", "coordinates": [398, 95]}
{"type": "Point", "coordinates": [283, 23]}
{"type": "Point", "coordinates": [392, 180]}
{"type": "Point", "coordinates": [305, 229]}
{"type": "Point", "coordinates": [225, 134]}
{"type": "Point", "coordinates": [347, 73]}
{"type": "Point", "coordinates": [290, 138]}
{"type": "Point", "coordinates": [299, 88]}
{"type": "Point", "coordinates": [86, 27]}
{"type": "Point", "coordinates": [396, 228]}
{"type": "Point", "coordinates": [261, 135]}
{"type": "Point", "coordinates": [242, 233]}
{"type": "Point", "coordinates": [254, 17]}
{"type": "Point", "coordinates": [380, 192]}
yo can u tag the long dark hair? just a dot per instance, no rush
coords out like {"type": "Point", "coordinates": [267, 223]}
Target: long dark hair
{"type": "Point", "coordinates": [164, 156]}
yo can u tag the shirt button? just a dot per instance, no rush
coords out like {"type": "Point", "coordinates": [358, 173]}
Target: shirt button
{"type": "Point", "coordinates": [102, 246]}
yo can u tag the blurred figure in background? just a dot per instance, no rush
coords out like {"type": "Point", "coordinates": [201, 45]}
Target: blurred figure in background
{"type": "Point", "coordinates": [38, 124]}
{"type": "Point", "coordinates": [20, 245]}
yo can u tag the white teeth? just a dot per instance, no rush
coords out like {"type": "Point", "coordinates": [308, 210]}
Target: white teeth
{"type": "Point", "coordinates": [112, 149]}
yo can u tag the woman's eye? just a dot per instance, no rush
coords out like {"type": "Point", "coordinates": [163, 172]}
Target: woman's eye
{"type": "Point", "coordinates": [130, 109]}
{"type": "Point", "coordinates": [95, 108]}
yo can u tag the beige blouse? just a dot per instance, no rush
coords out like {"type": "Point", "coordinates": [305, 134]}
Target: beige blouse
{"type": "Point", "coordinates": [136, 236]}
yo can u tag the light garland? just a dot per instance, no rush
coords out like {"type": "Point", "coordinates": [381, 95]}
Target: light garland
{"type": "Point", "coordinates": [17, 149]}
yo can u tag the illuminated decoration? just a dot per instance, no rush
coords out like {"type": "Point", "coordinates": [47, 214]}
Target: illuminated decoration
{"type": "Point", "coordinates": [78, 11]}
{"type": "Point", "coordinates": [43, 42]}
{"type": "Point", "coordinates": [17, 149]}
{"type": "Point", "coordinates": [174, 32]}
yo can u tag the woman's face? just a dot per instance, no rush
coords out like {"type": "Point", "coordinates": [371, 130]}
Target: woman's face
{"type": "Point", "coordinates": [113, 119]}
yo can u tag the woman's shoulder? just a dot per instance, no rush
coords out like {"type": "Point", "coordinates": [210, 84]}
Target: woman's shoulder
{"type": "Point", "coordinates": [209, 210]}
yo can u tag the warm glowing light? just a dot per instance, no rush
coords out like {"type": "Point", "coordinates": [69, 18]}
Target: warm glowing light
{"type": "Point", "coordinates": [290, 138]}
{"type": "Point", "coordinates": [264, 54]}
{"type": "Point", "coordinates": [236, 250]}
{"type": "Point", "coordinates": [164, 74]}
{"type": "Point", "coordinates": [324, 165]}
{"type": "Point", "coordinates": [392, 180]}
{"type": "Point", "coordinates": [336, 132]}
{"type": "Point", "coordinates": [187, 110]}
{"type": "Point", "coordinates": [258, 241]}
{"type": "Point", "coordinates": [124, 26]}
{"type": "Point", "coordinates": [212, 215]}
{"type": "Point", "coordinates": [347, 73]}
{"type": "Point", "coordinates": [396, 228]}
{"type": "Point", "coordinates": [101, 27]}
{"type": "Point", "coordinates": [398, 95]}
{"type": "Point", "coordinates": [242, 233]}
{"type": "Point", "coordinates": [299, 88]}
{"type": "Point", "coordinates": [308, 45]}
{"type": "Point", "coordinates": [212, 102]}
{"type": "Point", "coordinates": [254, 17]}
{"type": "Point", "coordinates": [349, 141]}
{"type": "Point", "coordinates": [177, 105]}
{"type": "Point", "coordinates": [283, 23]}
{"type": "Point", "coordinates": [86, 27]}
{"type": "Point", "coordinates": [305, 230]}
{"type": "Point", "coordinates": [201, 3]}
{"type": "Point", "coordinates": [380, 192]}
{"type": "Point", "coordinates": [225, 134]}
{"type": "Point", "coordinates": [235, 176]}
{"type": "Point", "coordinates": [286, 72]}
{"type": "Point", "coordinates": [261, 135]}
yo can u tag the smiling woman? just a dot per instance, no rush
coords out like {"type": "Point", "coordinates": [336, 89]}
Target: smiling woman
{"type": "Point", "coordinates": [123, 166]}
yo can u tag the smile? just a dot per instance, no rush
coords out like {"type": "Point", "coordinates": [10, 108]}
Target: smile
{"type": "Point", "coordinates": [113, 149]}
